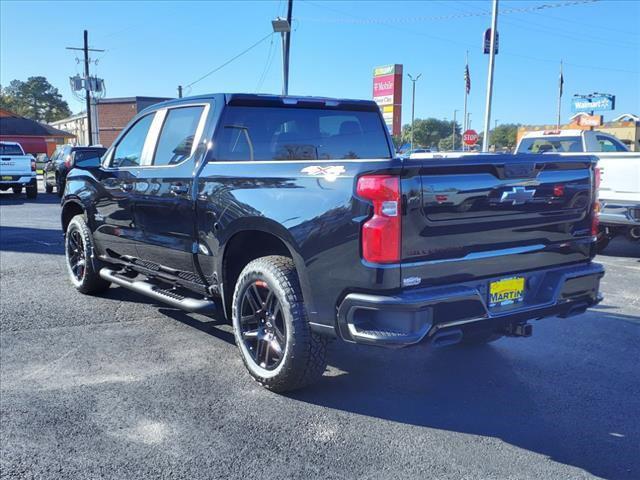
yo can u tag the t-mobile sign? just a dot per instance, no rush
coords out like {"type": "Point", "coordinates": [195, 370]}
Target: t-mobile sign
{"type": "Point", "coordinates": [387, 93]}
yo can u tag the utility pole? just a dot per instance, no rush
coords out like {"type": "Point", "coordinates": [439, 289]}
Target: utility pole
{"type": "Point", "coordinates": [453, 134]}
{"type": "Point", "coordinates": [492, 56]}
{"type": "Point", "coordinates": [560, 88]}
{"type": "Point", "coordinates": [179, 91]}
{"type": "Point", "coordinates": [283, 27]}
{"type": "Point", "coordinates": [467, 89]}
{"type": "Point", "coordinates": [495, 124]}
{"type": "Point", "coordinates": [87, 83]}
{"type": "Point", "coordinates": [287, 48]}
{"type": "Point", "coordinates": [413, 102]}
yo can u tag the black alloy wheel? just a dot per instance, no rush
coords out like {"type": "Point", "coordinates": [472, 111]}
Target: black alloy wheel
{"type": "Point", "coordinates": [76, 254]}
{"type": "Point", "coordinates": [262, 325]}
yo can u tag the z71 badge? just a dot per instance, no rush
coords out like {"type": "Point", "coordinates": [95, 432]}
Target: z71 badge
{"type": "Point", "coordinates": [329, 173]}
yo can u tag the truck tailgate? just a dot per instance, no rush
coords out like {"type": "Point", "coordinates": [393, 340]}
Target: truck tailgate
{"type": "Point", "coordinates": [15, 165]}
{"type": "Point", "coordinates": [488, 215]}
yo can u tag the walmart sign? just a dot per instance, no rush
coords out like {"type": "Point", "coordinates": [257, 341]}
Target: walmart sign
{"type": "Point", "coordinates": [593, 103]}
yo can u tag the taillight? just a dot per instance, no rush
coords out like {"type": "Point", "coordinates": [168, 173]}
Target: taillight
{"type": "Point", "coordinates": [381, 233]}
{"type": "Point", "coordinates": [33, 165]}
{"type": "Point", "coordinates": [67, 161]}
{"type": "Point", "coordinates": [595, 218]}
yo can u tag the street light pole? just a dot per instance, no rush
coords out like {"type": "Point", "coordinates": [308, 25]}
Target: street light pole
{"type": "Point", "coordinates": [492, 55]}
{"type": "Point", "coordinates": [413, 102]}
{"type": "Point", "coordinates": [453, 134]}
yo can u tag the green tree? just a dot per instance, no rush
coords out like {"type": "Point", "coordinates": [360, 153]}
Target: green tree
{"type": "Point", "coordinates": [428, 132]}
{"type": "Point", "coordinates": [446, 145]}
{"type": "Point", "coordinates": [504, 136]}
{"type": "Point", "coordinates": [36, 99]}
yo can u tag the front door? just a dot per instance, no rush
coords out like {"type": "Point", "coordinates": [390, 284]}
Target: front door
{"type": "Point", "coordinates": [116, 232]}
{"type": "Point", "coordinates": [164, 203]}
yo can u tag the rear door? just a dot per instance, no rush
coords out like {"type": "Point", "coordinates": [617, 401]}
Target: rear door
{"type": "Point", "coordinates": [164, 202]}
{"type": "Point", "coordinates": [486, 215]}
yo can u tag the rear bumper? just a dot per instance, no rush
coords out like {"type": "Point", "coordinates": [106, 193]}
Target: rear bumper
{"type": "Point", "coordinates": [619, 213]}
{"type": "Point", "coordinates": [19, 180]}
{"type": "Point", "coordinates": [416, 315]}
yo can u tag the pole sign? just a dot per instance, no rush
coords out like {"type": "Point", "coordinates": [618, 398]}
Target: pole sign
{"type": "Point", "coordinates": [470, 137]}
{"type": "Point", "coordinates": [387, 93]}
{"type": "Point", "coordinates": [600, 102]}
{"type": "Point", "coordinates": [487, 41]}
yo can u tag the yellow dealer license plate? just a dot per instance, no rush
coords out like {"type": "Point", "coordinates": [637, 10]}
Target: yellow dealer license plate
{"type": "Point", "coordinates": [506, 291]}
{"type": "Point", "coordinates": [7, 178]}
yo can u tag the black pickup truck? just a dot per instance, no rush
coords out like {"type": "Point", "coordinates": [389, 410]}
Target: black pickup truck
{"type": "Point", "coordinates": [292, 217]}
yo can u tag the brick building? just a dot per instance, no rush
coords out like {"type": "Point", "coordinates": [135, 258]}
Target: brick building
{"type": "Point", "coordinates": [115, 113]}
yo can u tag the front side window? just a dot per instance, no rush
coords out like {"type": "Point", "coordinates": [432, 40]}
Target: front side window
{"type": "Point", "coordinates": [290, 133]}
{"type": "Point", "coordinates": [128, 152]}
{"type": "Point", "coordinates": [609, 145]}
{"type": "Point", "coordinates": [177, 135]}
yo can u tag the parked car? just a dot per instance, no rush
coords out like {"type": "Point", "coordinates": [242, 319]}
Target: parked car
{"type": "Point", "coordinates": [620, 176]}
{"type": "Point", "coordinates": [17, 170]}
{"type": "Point", "coordinates": [408, 153]}
{"type": "Point", "coordinates": [64, 159]}
{"type": "Point", "coordinates": [41, 160]}
{"type": "Point", "coordinates": [292, 217]}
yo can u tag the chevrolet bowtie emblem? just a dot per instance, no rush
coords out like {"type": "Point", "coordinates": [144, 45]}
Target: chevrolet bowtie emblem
{"type": "Point", "coordinates": [517, 195]}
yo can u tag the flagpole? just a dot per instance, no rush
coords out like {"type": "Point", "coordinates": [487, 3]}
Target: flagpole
{"type": "Point", "coordinates": [560, 85]}
{"type": "Point", "coordinates": [466, 94]}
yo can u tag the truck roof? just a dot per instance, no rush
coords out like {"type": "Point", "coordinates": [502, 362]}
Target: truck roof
{"type": "Point", "coordinates": [555, 133]}
{"type": "Point", "coordinates": [266, 100]}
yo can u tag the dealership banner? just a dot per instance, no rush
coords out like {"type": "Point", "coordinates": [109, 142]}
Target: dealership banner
{"type": "Point", "coordinates": [387, 93]}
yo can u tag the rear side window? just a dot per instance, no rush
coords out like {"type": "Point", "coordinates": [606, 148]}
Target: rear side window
{"type": "Point", "coordinates": [274, 133]}
{"type": "Point", "coordinates": [176, 137]}
{"type": "Point", "coordinates": [128, 152]}
{"type": "Point", "coordinates": [10, 150]}
{"type": "Point", "coordinates": [550, 145]}
{"type": "Point", "coordinates": [609, 145]}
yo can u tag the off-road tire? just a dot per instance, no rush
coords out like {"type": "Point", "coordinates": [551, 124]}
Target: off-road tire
{"type": "Point", "coordinates": [32, 191]}
{"type": "Point", "coordinates": [17, 190]}
{"type": "Point", "coordinates": [304, 358]}
{"type": "Point", "coordinates": [90, 283]}
{"type": "Point", "coordinates": [59, 186]}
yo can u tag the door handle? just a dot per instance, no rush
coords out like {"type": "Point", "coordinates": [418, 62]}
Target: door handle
{"type": "Point", "coordinates": [178, 188]}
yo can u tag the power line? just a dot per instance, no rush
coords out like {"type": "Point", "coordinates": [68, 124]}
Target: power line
{"type": "Point", "coordinates": [230, 60]}
{"type": "Point", "coordinates": [422, 18]}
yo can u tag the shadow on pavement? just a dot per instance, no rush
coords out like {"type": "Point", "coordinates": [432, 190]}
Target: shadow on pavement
{"type": "Point", "coordinates": [486, 391]}
{"type": "Point", "coordinates": [622, 247]}
{"type": "Point", "coordinates": [9, 198]}
{"type": "Point", "coordinates": [31, 240]}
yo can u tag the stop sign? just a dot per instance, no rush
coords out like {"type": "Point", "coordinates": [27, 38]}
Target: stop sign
{"type": "Point", "coordinates": [470, 137]}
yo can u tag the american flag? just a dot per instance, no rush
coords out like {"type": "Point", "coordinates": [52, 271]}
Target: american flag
{"type": "Point", "coordinates": [561, 79]}
{"type": "Point", "coordinates": [467, 78]}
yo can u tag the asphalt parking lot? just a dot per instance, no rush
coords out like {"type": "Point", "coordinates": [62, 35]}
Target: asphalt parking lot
{"type": "Point", "coordinates": [119, 387]}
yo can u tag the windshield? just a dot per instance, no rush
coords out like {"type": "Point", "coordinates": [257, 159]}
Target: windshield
{"type": "Point", "coordinates": [281, 133]}
{"type": "Point", "coordinates": [550, 145]}
{"type": "Point", "coordinates": [6, 149]}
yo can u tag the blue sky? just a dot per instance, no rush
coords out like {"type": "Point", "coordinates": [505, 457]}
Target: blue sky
{"type": "Point", "coordinates": [151, 47]}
